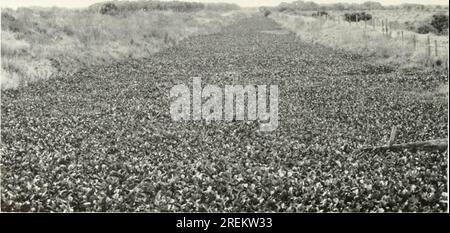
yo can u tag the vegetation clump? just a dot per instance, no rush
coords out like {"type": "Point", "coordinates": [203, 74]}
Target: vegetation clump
{"type": "Point", "coordinates": [265, 11]}
{"type": "Point", "coordinates": [357, 16]}
{"type": "Point", "coordinates": [319, 14]}
{"type": "Point", "coordinates": [440, 22]}
{"type": "Point", "coordinates": [108, 9]}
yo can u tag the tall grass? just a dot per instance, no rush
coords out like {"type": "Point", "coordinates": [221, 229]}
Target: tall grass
{"type": "Point", "coordinates": [369, 43]}
{"type": "Point", "coordinates": [38, 43]}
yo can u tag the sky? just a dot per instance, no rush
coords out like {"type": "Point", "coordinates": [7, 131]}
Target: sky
{"type": "Point", "coordinates": [85, 3]}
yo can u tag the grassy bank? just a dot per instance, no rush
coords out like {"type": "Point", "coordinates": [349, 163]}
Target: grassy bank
{"type": "Point", "coordinates": [38, 43]}
{"type": "Point", "coordinates": [367, 42]}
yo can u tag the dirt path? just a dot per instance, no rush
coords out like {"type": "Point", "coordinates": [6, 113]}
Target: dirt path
{"type": "Point", "coordinates": [103, 140]}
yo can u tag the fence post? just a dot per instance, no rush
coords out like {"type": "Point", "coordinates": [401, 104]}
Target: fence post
{"type": "Point", "coordinates": [446, 64]}
{"type": "Point", "coordinates": [390, 29]}
{"type": "Point", "coordinates": [429, 46]}
{"type": "Point", "coordinates": [435, 48]}
{"type": "Point", "coordinates": [382, 26]}
{"type": "Point", "coordinates": [365, 26]}
{"type": "Point", "coordinates": [402, 36]}
{"type": "Point", "coordinates": [414, 41]}
{"type": "Point", "coordinates": [386, 27]}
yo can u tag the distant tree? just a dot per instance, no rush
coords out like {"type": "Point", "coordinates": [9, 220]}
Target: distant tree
{"type": "Point", "coordinates": [338, 7]}
{"type": "Point", "coordinates": [440, 22]}
{"type": "Point", "coordinates": [371, 6]}
{"type": "Point", "coordinates": [283, 8]}
{"type": "Point", "coordinates": [412, 6]}
{"type": "Point", "coordinates": [108, 9]}
{"type": "Point", "coordinates": [305, 6]}
{"type": "Point", "coordinates": [266, 12]}
{"type": "Point", "coordinates": [357, 16]}
{"type": "Point", "coordinates": [320, 13]}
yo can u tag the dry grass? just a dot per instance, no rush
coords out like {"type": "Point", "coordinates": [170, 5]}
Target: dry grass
{"type": "Point", "coordinates": [38, 43]}
{"type": "Point", "coordinates": [400, 19]}
{"type": "Point", "coordinates": [366, 41]}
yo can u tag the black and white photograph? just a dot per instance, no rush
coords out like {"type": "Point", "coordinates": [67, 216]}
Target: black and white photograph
{"type": "Point", "coordinates": [224, 106]}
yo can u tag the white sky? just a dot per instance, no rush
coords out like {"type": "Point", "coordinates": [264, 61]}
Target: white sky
{"type": "Point", "coordinates": [84, 3]}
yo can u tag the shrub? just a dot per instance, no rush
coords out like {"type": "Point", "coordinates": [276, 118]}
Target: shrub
{"type": "Point", "coordinates": [283, 9]}
{"type": "Point", "coordinates": [440, 22]}
{"type": "Point", "coordinates": [7, 17]}
{"type": "Point", "coordinates": [320, 13]}
{"type": "Point", "coordinates": [357, 16]}
{"type": "Point", "coordinates": [10, 23]}
{"type": "Point", "coordinates": [425, 28]}
{"type": "Point", "coordinates": [266, 12]}
{"type": "Point", "coordinates": [108, 9]}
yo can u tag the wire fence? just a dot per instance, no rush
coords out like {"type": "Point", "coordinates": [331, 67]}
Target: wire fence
{"type": "Point", "coordinates": [434, 47]}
